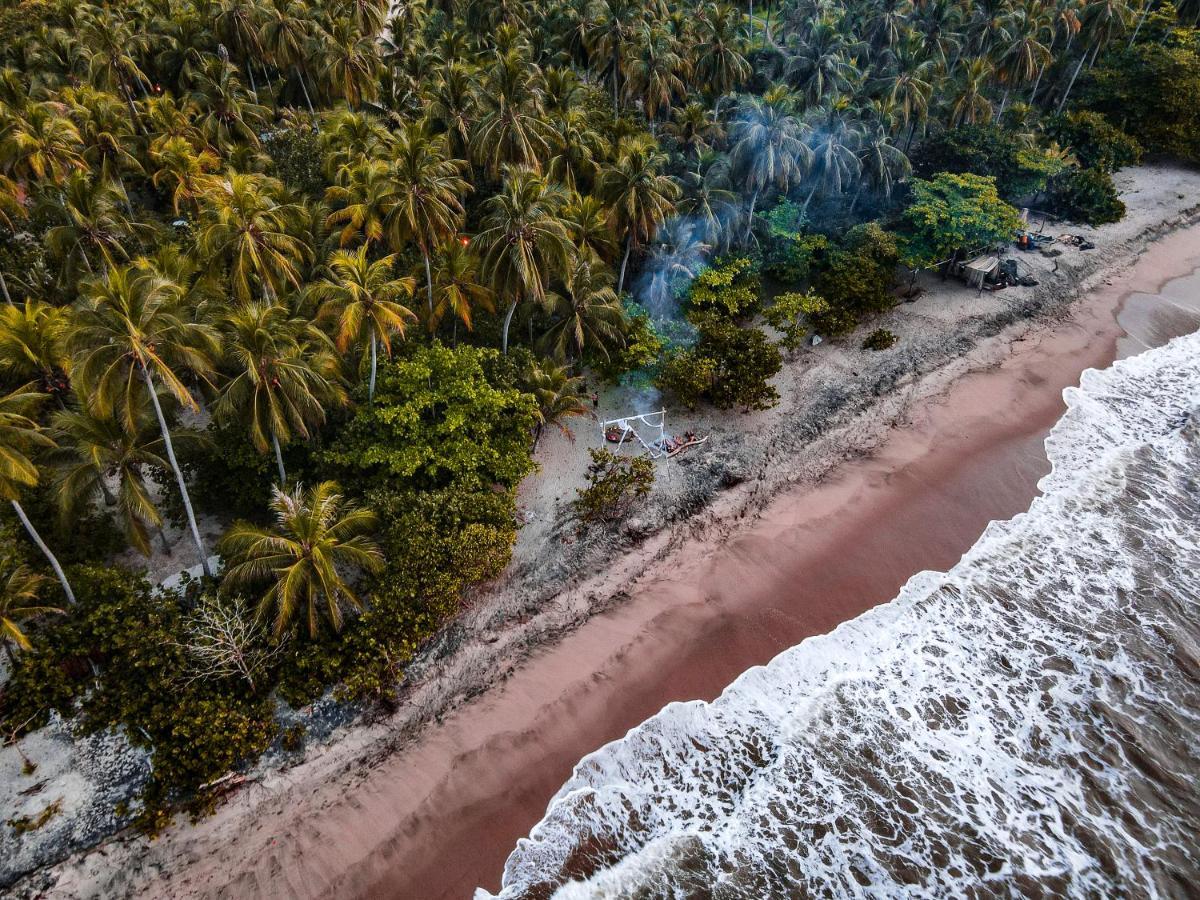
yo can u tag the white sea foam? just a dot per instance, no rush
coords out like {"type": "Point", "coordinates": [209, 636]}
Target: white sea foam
{"type": "Point", "coordinates": [1025, 723]}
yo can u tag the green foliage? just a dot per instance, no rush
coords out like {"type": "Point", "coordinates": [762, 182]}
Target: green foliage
{"type": "Point", "coordinates": [1095, 142]}
{"type": "Point", "coordinates": [643, 346]}
{"type": "Point", "coordinates": [614, 484]}
{"type": "Point", "coordinates": [729, 366]}
{"type": "Point", "coordinates": [858, 277]}
{"type": "Point", "coordinates": [987, 150]}
{"type": "Point", "coordinates": [1088, 196]}
{"type": "Point", "coordinates": [436, 421]}
{"type": "Point", "coordinates": [1150, 91]}
{"type": "Point", "coordinates": [236, 478]}
{"type": "Point", "coordinates": [795, 314]}
{"type": "Point", "coordinates": [730, 287]}
{"type": "Point", "coordinates": [953, 214]}
{"type": "Point", "coordinates": [195, 729]}
{"type": "Point", "coordinates": [296, 158]}
{"type": "Point", "coordinates": [879, 339]}
{"type": "Point", "coordinates": [792, 259]}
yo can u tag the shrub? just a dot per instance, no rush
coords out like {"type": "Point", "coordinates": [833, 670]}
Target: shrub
{"type": "Point", "coordinates": [730, 288]}
{"type": "Point", "coordinates": [1088, 196]}
{"type": "Point", "coordinates": [643, 346]}
{"type": "Point", "coordinates": [729, 366]}
{"type": "Point", "coordinates": [1096, 142]}
{"type": "Point", "coordinates": [953, 214]}
{"type": "Point", "coordinates": [792, 259]}
{"type": "Point", "coordinates": [879, 339]}
{"type": "Point", "coordinates": [615, 483]}
{"type": "Point", "coordinates": [990, 151]}
{"type": "Point", "coordinates": [686, 376]}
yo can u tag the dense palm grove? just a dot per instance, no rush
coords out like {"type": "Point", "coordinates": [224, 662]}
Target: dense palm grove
{"type": "Point", "coordinates": [250, 246]}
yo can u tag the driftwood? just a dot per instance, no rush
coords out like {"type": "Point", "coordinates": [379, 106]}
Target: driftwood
{"type": "Point", "coordinates": [691, 443]}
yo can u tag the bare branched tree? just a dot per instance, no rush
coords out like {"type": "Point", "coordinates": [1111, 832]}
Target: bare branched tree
{"type": "Point", "coordinates": [225, 639]}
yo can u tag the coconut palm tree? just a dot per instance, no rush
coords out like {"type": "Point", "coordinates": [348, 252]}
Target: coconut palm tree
{"type": "Point", "coordinates": [41, 144]}
{"type": "Point", "coordinates": [509, 127]}
{"type": "Point", "coordinates": [719, 61]}
{"type": "Point", "coordinates": [969, 103]}
{"type": "Point", "coordinates": [19, 436]}
{"type": "Point", "coordinates": [228, 117]}
{"type": "Point", "coordinates": [361, 201]}
{"type": "Point", "coordinates": [96, 227]}
{"type": "Point", "coordinates": [587, 223]}
{"type": "Point", "coordinates": [247, 224]}
{"type": "Point", "coordinates": [182, 170]}
{"type": "Point", "coordinates": [362, 298]}
{"type": "Point", "coordinates": [614, 28]}
{"type": "Point", "coordinates": [131, 334]}
{"type": "Point", "coordinates": [524, 239]}
{"type": "Point", "coordinates": [32, 346]}
{"type": "Point", "coordinates": [19, 601]}
{"type": "Point", "coordinates": [656, 73]}
{"type": "Point", "coordinates": [768, 149]}
{"type": "Point", "coordinates": [94, 449]}
{"type": "Point", "coordinates": [12, 208]}
{"type": "Point", "coordinates": [284, 376]}
{"type": "Point", "coordinates": [586, 315]}
{"type": "Point", "coordinates": [306, 557]}
{"type": "Point", "coordinates": [559, 395]}
{"type": "Point", "coordinates": [350, 63]}
{"type": "Point", "coordinates": [456, 285]}
{"type": "Point", "coordinates": [426, 206]}
{"type": "Point", "coordinates": [574, 148]}
{"type": "Point", "coordinates": [639, 196]}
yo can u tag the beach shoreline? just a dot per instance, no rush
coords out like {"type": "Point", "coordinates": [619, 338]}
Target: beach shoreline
{"type": "Point", "coordinates": [377, 813]}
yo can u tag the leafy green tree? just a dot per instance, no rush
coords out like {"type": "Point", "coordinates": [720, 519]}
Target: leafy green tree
{"type": "Point", "coordinates": [438, 420]}
{"type": "Point", "coordinates": [615, 484]}
{"type": "Point", "coordinates": [1086, 195]}
{"type": "Point", "coordinates": [951, 215]}
{"type": "Point", "coordinates": [362, 299]}
{"type": "Point", "coordinates": [317, 540]}
{"type": "Point", "coordinates": [130, 335]}
{"type": "Point", "coordinates": [730, 288]}
{"type": "Point", "coordinates": [729, 365]}
{"type": "Point", "coordinates": [1093, 140]}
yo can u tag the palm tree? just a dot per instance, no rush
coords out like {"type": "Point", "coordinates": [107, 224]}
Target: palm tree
{"type": "Point", "coordinates": [228, 117]}
{"type": "Point", "coordinates": [587, 222]}
{"type": "Point", "coordinates": [587, 314]}
{"type": "Point", "coordinates": [640, 197]}
{"type": "Point", "coordinates": [656, 73]}
{"type": "Point", "coordinates": [558, 395]}
{"type": "Point", "coordinates": [12, 207]}
{"type": "Point", "coordinates": [833, 147]}
{"type": "Point", "coordinates": [719, 61]}
{"type": "Point", "coordinates": [361, 297]}
{"type": "Point", "coordinates": [93, 449]}
{"type": "Point", "coordinates": [285, 36]}
{"type": "Point", "coordinates": [96, 225]}
{"type": "Point", "coordinates": [695, 129]}
{"type": "Point", "coordinates": [426, 206]}
{"type": "Point", "coordinates": [361, 200]}
{"type": "Point", "coordinates": [767, 149]}
{"type": "Point", "coordinates": [456, 285]}
{"type": "Point", "coordinates": [575, 147]}
{"type": "Point", "coordinates": [182, 170]}
{"type": "Point", "coordinates": [32, 346]}
{"type": "Point", "coordinates": [19, 434]}
{"type": "Point", "coordinates": [42, 144]}
{"type": "Point", "coordinates": [969, 103]}
{"type": "Point", "coordinates": [524, 239]}
{"type": "Point", "coordinates": [509, 128]}
{"type": "Point", "coordinates": [350, 68]}
{"type": "Point", "coordinates": [18, 601]}
{"type": "Point", "coordinates": [283, 378]}
{"type": "Point", "coordinates": [248, 225]}
{"type": "Point", "coordinates": [131, 330]}
{"type": "Point", "coordinates": [614, 24]}
{"type": "Point", "coordinates": [316, 538]}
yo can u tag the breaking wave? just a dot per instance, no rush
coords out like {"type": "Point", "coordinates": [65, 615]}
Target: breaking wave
{"type": "Point", "coordinates": [1027, 723]}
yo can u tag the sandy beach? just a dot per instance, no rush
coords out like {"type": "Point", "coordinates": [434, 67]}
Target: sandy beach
{"type": "Point", "coordinates": [784, 547]}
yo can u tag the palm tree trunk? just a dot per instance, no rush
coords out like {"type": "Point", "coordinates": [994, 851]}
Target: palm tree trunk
{"type": "Point", "coordinates": [109, 498]}
{"type": "Point", "coordinates": [53, 560]}
{"type": "Point", "coordinates": [750, 217]}
{"type": "Point", "coordinates": [512, 308]}
{"type": "Point", "coordinates": [428, 286]}
{"type": "Point", "coordinates": [183, 491]}
{"type": "Point", "coordinates": [279, 459]}
{"type": "Point", "coordinates": [304, 88]}
{"type": "Point", "coordinates": [4, 287]}
{"type": "Point", "coordinates": [625, 261]}
{"type": "Point", "coordinates": [374, 366]}
{"type": "Point", "coordinates": [162, 536]}
{"type": "Point", "coordinates": [253, 86]}
{"type": "Point", "coordinates": [1063, 102]}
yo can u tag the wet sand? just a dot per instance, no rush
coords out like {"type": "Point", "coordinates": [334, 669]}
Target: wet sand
{"type": "Point", "coordinates": [814, 558]}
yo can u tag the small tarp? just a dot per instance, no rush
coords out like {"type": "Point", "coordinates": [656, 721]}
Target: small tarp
{"type": "Point", "coordinates": [978, 270]}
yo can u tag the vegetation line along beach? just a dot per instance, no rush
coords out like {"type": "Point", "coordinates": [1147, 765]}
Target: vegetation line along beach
{"type": "Point", "coordinates": [352, 353]}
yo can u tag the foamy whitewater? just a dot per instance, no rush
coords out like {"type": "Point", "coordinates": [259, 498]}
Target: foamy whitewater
{"type": "Point", "coordinates": [1024, 724]}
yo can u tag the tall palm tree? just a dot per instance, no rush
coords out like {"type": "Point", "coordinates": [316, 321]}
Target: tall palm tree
{"type": "Point", "coordinates": [456, 285]}
{"type": "Point", "coordinates": [768, 149]}
{"type": "Point", "coordinates": [350, 68]}
{"type": "Point", "coordinates": [614, 27]}
{"type": "Point", "coordinates": [19, 601]}
{"type": "Point", "coordinates": [92, 449]}
{"type": "Point", "coordinates": [285, 36]}
{"type": "Point", "coordinates": [426, 206]}
{"type": "Point", "coordinates": [509, 128]}
{"type": "Point", "coordinates": [284, 375]}
{"type": "Point", "coordinates": [719, 60]}
{"type": "Point", "coordinates": [130, 334]}
{"type": "Point", "coordinates": [656, 73]}
{"type": "Point", "coordinates": [969, 103]}
{"type": "Point", "coordinates": [524, 239]}
{"type": "Point", "coordinates": [317, 537]}
{"type": "Point", "coordinates": [96, 227]}
{"type": "Point", "coordinates": [32, 345]}
{"type": "Point", "coordinates": [247, 224]}
{"type": "Point", "coordinates": [587, 315]}
{"type": "Point", "coordinates": [361, 200]}
{"type": "Point", "coordinates": [182, 170]}
{"type": "Point", "coordinates": [20, 435]}
{"type": "Point", "coordinates": [41, 144]}
{"type": "Point", "coordinates": [362, 298]}
{"type": "Point", "coordinates": [640, 197]}
{"type": "Point", "coordinates": [12, 208]}
{"type": "Point", "coordinates": [558, 395]}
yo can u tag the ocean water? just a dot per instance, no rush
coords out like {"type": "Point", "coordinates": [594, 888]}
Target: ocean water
{"type": "Point", "coordinates": [1026, 724]}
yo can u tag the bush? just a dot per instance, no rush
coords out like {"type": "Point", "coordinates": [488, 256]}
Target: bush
{"type": "Point", "coordinates": [730, 288]}
{"type": "Point", "coordinates": [195, 730]}
{"type": "Point", "coordinates": [879, 339]}
{"type": "Point", "coordinates": [436, 421]}
{"type": "Point", "coordinates": [990, 151]}
{"type": "Point", "coordinates": [643, 346]}
{"type": "Point", "coordinates": [1095, 142]}
{"type": "Point", "coordinates": [1086, 195]}
{"type": "Point", "coordinates": [954, 214]}
{"type": "Point", "coordinates": [792, 259]}
{"type": "Point", "coordinates": [729, 366]}
{"type": "Point", "coordinates": [615, 483]}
